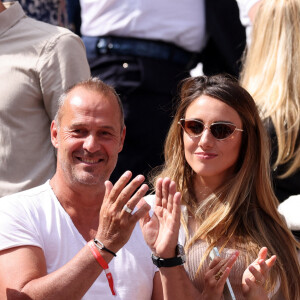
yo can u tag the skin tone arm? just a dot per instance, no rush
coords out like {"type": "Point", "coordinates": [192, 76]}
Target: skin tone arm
{"type": "Point", "coordinates": [23, 273]}
{"type": "Point", "coordinates": [161, 234]}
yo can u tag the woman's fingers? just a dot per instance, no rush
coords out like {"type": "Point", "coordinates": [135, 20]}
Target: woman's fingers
{"type": "Point", "coordinates": [158, 192]}
{"type": "Point", "coordinates": [218, 262]}
{"type": "Point", "coordinates": [271, 261]}
{"type": "Point", "coordinates": [263, 253]}
{"type": "Point", "coordinates": [259, 278]}
{"type": "Point", "coordinates": [165, 192]}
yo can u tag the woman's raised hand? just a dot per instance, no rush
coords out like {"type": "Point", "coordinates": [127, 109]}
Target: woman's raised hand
{"type": "Point", "coordinates": [161, 230]}
{"type": "Point", "coordinates": [256, 275]}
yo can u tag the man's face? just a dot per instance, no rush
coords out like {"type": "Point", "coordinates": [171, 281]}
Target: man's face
{"type": "Point", "coordinates": [89, 137]}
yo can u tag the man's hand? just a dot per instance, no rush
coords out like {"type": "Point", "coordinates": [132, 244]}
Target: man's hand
{"type": "Point", "coordinates": [116, 224]}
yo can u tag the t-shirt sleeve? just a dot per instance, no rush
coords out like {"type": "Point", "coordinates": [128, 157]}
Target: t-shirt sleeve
{"type": "Point", "coordinates": [16, 225]}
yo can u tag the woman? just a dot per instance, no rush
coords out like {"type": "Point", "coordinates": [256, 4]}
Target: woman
{"type": "Point", "coordinates": [216, 153]}
{"type": "Point", "coordinates": [271, 75]}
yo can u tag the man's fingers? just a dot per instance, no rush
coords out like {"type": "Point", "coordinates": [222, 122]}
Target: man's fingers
{"type": "Point", "coordinates": [119, 185]}
{"type": "Point", "coordinates": [142, 212]}
{"type": "Point", "coordinates": [121, 193]}
{"type": "Point", "coordinates": [108, 188]}
{"type": "Point", "coordinates": [135, 199]}
{"type": "Point", "coordinates": [145, 218]}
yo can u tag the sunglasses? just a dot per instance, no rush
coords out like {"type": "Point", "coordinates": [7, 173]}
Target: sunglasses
{"type": "Point", "coordinates": [220, 130]}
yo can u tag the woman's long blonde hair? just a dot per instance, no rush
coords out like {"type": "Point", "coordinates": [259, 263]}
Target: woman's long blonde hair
{"type": "Point", "coordinates": [244, 209]}
{"type": "Point", "coordinates": [271, 75]}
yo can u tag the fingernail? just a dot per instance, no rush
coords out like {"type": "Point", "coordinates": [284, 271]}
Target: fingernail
{"type": "Point", "coordinates": [127, 174]}
{"type": "Point", "coordinates": [140, 177]}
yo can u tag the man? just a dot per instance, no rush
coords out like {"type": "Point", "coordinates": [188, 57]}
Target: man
{"type": "Point", "coordinates": [144, 48]}
{"type": "Point", "coordinates": [38, 62]}
{"type": "Point", "coordinates": [45, 230]}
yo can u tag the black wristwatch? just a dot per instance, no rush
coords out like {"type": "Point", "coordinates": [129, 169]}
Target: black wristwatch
{"type": "Point", "coordinates": [178, 260]}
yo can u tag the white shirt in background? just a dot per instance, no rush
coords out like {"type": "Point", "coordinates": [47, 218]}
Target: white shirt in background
{"type": "Point", "coordinates": [176, 21]}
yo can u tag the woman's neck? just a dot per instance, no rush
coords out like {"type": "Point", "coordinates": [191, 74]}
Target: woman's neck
{"type": "Point", "coordinates": [203, 187]}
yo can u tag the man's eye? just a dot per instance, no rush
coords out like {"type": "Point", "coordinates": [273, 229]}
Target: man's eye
{"type": "Point", "coordinates": [78, 131]}
{"type": "Point", "coordinates": [105, 133]}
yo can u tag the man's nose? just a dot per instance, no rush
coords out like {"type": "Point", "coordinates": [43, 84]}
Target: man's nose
{"type": "Point", "coordinates": [91, 143]}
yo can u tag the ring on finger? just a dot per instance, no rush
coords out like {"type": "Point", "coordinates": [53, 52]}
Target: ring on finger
{"type": "Point", "coordinates": [218, 275]}
{"type": "Point", "coordinates": [127, 209]}
{"type": "Point", "coordinates": [258, 282]}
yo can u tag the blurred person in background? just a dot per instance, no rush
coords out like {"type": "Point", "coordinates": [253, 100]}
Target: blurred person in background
{"type": "Point", "coordinates": [271, 75]}
{"type": "Point", "coordinates": [38, 62]}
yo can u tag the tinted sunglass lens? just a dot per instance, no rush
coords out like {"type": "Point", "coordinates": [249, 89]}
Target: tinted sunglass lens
{"type": "Point", "coordinates": [193, 128]}
{"type": "Point", "coordinates": [222, 131]}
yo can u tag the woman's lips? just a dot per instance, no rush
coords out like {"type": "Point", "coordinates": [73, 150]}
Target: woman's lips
{"type": "Point", "coordinates": [206, 155]}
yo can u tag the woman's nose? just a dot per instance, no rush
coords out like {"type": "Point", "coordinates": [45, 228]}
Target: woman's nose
{"type": "Point", "coordinates": [206, 138]}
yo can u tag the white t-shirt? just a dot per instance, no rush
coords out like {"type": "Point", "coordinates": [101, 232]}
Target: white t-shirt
{"type": "Point", "coordinates": [35, 217]}
{"type": "Point", "coordinates": [176, 21]}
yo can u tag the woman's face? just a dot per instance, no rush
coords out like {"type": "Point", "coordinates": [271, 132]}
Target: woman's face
{"type": "Point", "coordinates": [211, 159]}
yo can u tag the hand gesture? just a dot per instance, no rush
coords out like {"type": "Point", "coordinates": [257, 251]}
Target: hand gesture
{"type": "Point", "coordinates": [116, 222]}
{"type": "Point", "coordinates": [255, 276]}
{"type": "Point", "coordinates": [161, 230]}
{"type": "Point", "coordinates": [215, 277]}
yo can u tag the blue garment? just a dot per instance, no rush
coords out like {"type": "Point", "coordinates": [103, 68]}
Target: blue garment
{"type": "Point", "coordinates": [49, 11]}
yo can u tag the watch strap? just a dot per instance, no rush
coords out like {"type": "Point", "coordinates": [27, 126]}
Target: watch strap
{"type": "Point", "coordinates": [167, 262]}
{"type": "Point", "coordinates": [178, 260]}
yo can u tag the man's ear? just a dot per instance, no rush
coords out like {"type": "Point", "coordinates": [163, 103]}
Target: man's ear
{"type": "Point", "coordinates": [123, 134]}
{"type": "Point", "coordinates": [54, 134]}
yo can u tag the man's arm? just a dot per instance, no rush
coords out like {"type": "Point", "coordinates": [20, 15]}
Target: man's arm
{"type": "Point", "coordinates": [23, 273]}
